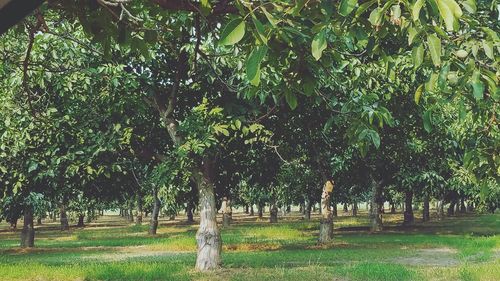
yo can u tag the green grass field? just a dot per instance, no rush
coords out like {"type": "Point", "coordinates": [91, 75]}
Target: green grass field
{"type": "Point", "coordinates": [456, 248]}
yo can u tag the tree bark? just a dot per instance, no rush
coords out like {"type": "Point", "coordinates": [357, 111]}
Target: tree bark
{"type": "Point", "coordinates": [463, 210]}
{"type": "Point", "coordinates": [153, 225]}
{"type": "Point", "coordinates": [251, 210]}
{"type": "Point", "coordinates": [63, 217]}
{"type": "Point", "coordinates": [28, 232]}
{"type": "Point", "coordinates": [39, 221]}
{"type": "Point", "coordinates": [189, 211]}
{"type": "Point", "coordinates": [131, 211]}
{"type": "Point", "coordinates": [393, 208]}
{"type": "Point", "coordinates": [273, 213]}
{"type": "Point", "coordinates": [307, 210]}
{"type": "Point", "coordinates": [440, 209]}
{"type": "Point", "coordinates": [409, 218]}
{"type": "Point", "coordinates": [346, 208]}
{"type": "Point", "coordinates": [138, 219]}
{"type": "Point", "coordinates": [451, 208]}
{"type": "Point", "coordinates": [355, 209]}
{"type": "Point", "coordinates": [326, 222]}
{"type": "Point", "coordinates": [334, 210]}
{"type": "Point", "coordinates": [426, 212]}
{"type": "Point", "coordinates": [227, 212]}
{"type": "Point", "coordinates": [208, 236]}
{"type": "Point", "coordinates": [260, 210]}
{"type": "Point", "coordinates": [13, 225]}
{"type": "Point", "coordinates": [81, 220]}
{"type": "Point", "coordinates": [375, 214]}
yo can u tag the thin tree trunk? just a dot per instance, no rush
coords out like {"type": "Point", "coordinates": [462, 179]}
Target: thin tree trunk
{"type": "Point", "coordinates": [451, 208]}
{"type": "Point", "coordinates": [208, 236]}
{"type": "Point", "coordinates": [247, 209]}
{"type": "Point", "coordinates": [131, 211]}
{"type": "Point", "coordinates": [153, 225]}
{"type": "Point", "coordinates": [393, 208]}
{"type": "Point", "coordinates": [139, 213]}
{"type": "Point", "coordinates": [63, 217]}
{"type": "Point", "coordinates": [440, 209]}
{"type": "Point", "coordinates": [260, 210]}
{"type": "Point", "coordinates": [334, 210]}
{"type": "Point", "coordinates": [463, 210]}
{"type": "Point", "coordinates": [251, 210]}
{"type": "Point", "coordinates": [189, 211]}
{"type": "Point", "coordinates": [13, 225]}
{"type": "Point", "coordinates": [39, 221]}
{"type": "Point", "coordinates": [355, 209]}
{"type": "Point", "coordinates": [426, 211]}
{"type": "Point", "coordinates": [81, 221]}
{"type": "Point", "coordinates": [28, 232]}
{"type": "Point", "coordinates": [273, 212]}
{"type": "Point", "coordinates": [54, 216]}
{"type": "Point", "coordinates": [307, 211]}
{"type": "Point", "coordinates": [227, 212]}
{"type": "Point", "coordinates": [409, 218]}
{"type": "Point", "coordinates": [346, 208]}
{"type": "Point", "coordinates": [376, 216]}
{"type": "Point", "coordinates": [326, 222]}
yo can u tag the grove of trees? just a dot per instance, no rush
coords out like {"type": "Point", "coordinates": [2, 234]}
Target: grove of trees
{"type": "Point", "coordinates": [178, 106]}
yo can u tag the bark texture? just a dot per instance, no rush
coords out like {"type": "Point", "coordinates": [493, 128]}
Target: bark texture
{"type": "Point", "coordinates": [81, 221]}
{"type": "Point", "coordinates": [375, 214]}
{"type": "Point", "coordinates": [153, 224]}
{"type": "Point", "coordinates": [273, 213]}
{"type": "Point", "coordinates": [28, 232]}
{"type": "Point", "coordinates": [208, 236]}
{"type": "Point", "coordinates": [409, 218]}
{"type": "Point", "coordinates": [326, 222]}
{"type": "Point", "coordinates": [63, 218]}
{"type": "Point", "coordinates": [426, 211]}
{"type": "Point", "coordinates": [139, 213]}
{"type": "Point", "coordinates": [227, 212]}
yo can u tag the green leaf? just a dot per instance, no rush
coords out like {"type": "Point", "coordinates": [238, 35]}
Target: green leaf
{"type": "Point", "coordinates": [462, 113]}
{"type": "Point", "coordinates": [427, 121]}
{"type": "Point", "coordinates": [261, 31]}
{"type": "Point", "coordinates": [347, 6]}
{"type": "Point", "coordinates": [291, 99]}
{"type": "Point", "coordinates": [274, 22]}
{"type": "Point", "coordinates": [376, 17]}
{"type": "Point", "coordinates": [375, 138]}
{"type": "Point", "coordinates": [434, 44]}
{"type": "Point", "coordinates": [477, 85]}
{"type": "Point", "coordinates": [253, 64]}
{"type": "Point", "coordinates": [33, 166]}
{"type": "Point", "coordinates": [470, 6]}
{"type": "Point", "coordinates": [415, 11]}
{"type": "Point", "coordinates": [363, 7]}
{"type": "Point", "coordinates": [418, 93]}
{"type": "Point", "coordinates": [418, 55]}
{"type": "Point", "coordinates": [488, 49]}
{"type": "Point", "coordinates": [446, 14]}
{"type": "Point", "coordinates": [233, 32]}
{"type": "Point", "coordinates": [318, 44]}
{"type": "Point", "coordinates": [443, 76]}
{"type": "Point", "coordinates": [206, 8]}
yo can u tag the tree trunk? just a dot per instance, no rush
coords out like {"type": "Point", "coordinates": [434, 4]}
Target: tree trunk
{"type": "Point", "coordinates": [375, 214]}
{"type": "Point", "coordinates": [28, 232]}
{"type": "Point", "coordinates": [260, 210]}
{"type": "Point", "coordinates": [355, 209]}
{"type": "Point", "coordinates": [227, 212]}
{"type": "Point", "coordinates": [251, 210]}
{"type": "Point", "coordinates": [462, 206]}
{"type": "Point", "coordinates": [273, 213]}
{"type": "Point", "coordinates": [426, 212]}
{"type": "Point", "coordinates": [63, 217]}
{"type": "Point", "coordinates": [307, 211]}
{"type": "Point", "coordinates": [247, 209]}
{"type": "Point", "coordinates": [131, 211]}
{"type": "Point", "coordinates": [451, 208]}
{"type": "Point", "coordinates": [81, 221]}
{"type": "Point", "coordinates": [13, 225]}
{"type": "Point", "coordinates": [440, 209]}
{"type": "Point", "coordinates": [39, 221]}
{"type": "Point", "coordinates": [208, 236]}
{"type": "Point", "coordinates": [409, 218]}
{"type": "Point", "coordinates": [393, 208]}
{"type": "Point", "coordinates": [346, 208]}
{"type": "Point", "coordinates": [189, 211]}
{"type": "Point", "coordinates": [326, 222]}
{"type": "Point", "coordinates": [138, 219]}
{"type": "Point", "coordinates": [54, 216]}
{"type": "Point", "coordinates": [153, 225]}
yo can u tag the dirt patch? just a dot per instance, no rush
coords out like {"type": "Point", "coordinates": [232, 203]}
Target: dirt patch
{"type": "Point", "coordinates": [431, 257]}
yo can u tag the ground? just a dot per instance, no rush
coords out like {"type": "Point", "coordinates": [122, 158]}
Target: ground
{"type": "Point", "coordinates": [465, 247]}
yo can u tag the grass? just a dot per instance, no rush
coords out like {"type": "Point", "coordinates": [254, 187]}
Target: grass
{"type": "Point", "coordinates": [457, 248]}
